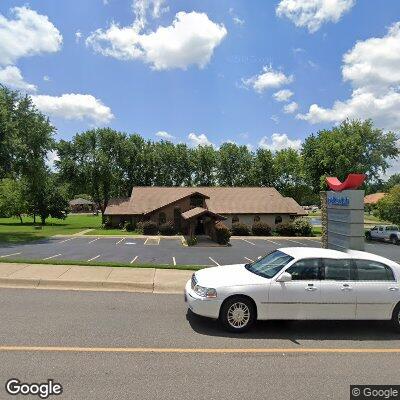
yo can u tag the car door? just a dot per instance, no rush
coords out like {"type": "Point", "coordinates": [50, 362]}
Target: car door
{"type": "Point", "coordinates": [381, 233]}
{"type": "Point", "coordinates": [338, 289]}
{"type": "Point", "coordinates": [374, 232]}
{"type": "Point", "coordinates": [377, 290]}
{"type": "Point", "coordinates": [300, 297]}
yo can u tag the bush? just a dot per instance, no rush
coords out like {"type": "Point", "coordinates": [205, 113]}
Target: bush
{"type": "Point", "coordinates": [139, 227]}
{"type": "Point", "coordinates": [240, 229]}
{"type": "Point", "coordinates": [302, 227]}
{"type": "Point", "coordinates": [107, 224]}
{"type": "Point", "coordinates": [192, 241]}
{"type": "Point", "coordinates": [261, 229]}
{"type": "Point", "coordinates": [167, 228]}
{"type": "Point", "coordinates": [285, 229]}
{"type": "Point", "coordinates": [150, 228]}
{"type": "Point", "coordinates": [129, 226]}
{"type": "Point", "coordinates": [222, 233]}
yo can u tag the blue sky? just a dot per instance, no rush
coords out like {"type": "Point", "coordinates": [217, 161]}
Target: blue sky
{"type": "Point", "coordinates": [205, 71]}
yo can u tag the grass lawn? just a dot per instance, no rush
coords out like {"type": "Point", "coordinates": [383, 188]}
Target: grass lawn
{"type": "Point", "coordinates": [110, 232]}
{"type": "Point", "coordinates": [12, 231]}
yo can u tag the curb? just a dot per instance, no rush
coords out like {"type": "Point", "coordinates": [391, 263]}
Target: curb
{"type": "Point", "coordinates": [141, 287]}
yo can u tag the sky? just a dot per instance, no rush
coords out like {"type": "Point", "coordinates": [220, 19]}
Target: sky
{"type": "Point", "coordinates": [261, 73]}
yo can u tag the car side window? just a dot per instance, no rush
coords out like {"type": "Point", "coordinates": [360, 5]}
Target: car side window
{"type": "Point", "coordinates": [380, 229]}
{"type": "Point", "coordinates": [337, 270]}
{"type": "Point", "coordinates": [305, 270]}
{"type": "Point", "coordinates": [373, 271]}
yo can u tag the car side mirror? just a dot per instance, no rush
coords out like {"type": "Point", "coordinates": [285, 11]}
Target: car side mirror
{"type": "Point", "coordinates": [285, 277]}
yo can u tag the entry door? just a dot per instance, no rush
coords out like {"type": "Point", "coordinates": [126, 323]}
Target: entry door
{"type": "Point", "coordinates": [338, 290]}
{"type": "Point", "coordinates": [299, 298]}
{"type": "Point", "coordinates": [377, 290]}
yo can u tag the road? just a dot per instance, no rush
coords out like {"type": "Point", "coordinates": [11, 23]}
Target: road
{"type": "Point", "coordinates": [116, 330]}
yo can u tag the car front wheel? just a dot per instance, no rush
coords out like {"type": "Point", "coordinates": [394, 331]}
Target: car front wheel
{"type": "Point", "coordinates": [394, 240]}
{"type": "Point", "coordinates": [238, 314]}
{"type": "Point", "coordinates": [396, 318]}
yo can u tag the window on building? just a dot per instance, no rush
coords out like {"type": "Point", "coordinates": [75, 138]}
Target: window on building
{"type": "Point", "coordinates": [162, 219]}
{"type": "Point", "coordinates": [278, 219]}
{"type": "Point", "coordinates": [235, 219]}
{"type": "Point", "coordinates": [257, 218]}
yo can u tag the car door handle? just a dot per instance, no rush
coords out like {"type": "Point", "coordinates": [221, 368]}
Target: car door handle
{"type": "Point", "coordinates": [346, 287]}
{"type": "Point", "coordinates": [311, 288]}
{"type": "Point", "coordinates": [393, 289]}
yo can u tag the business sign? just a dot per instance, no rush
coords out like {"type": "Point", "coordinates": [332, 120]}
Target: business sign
{"type": "Point", "coordinates": [338, 201]}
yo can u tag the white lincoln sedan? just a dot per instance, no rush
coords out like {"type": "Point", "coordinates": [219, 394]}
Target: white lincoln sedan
{"type": "Point", "coordinates": [298, 283]}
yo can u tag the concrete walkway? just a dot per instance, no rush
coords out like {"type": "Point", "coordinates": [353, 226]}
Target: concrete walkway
{"type": "Point", "coordinates": [72, 277]}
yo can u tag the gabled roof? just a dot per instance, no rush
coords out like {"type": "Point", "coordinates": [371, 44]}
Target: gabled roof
{"type": "Point", "coordinates": [197, 211]}
{"type": "Point", "coordinates": [219, 200]}
{"type": "Point", "coordinates": [373, 198]}
{"type": "Point", "coordinates": [76, 202]}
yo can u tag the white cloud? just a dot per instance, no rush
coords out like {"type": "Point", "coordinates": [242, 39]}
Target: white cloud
{"type": "Point", "coordinates": [141, 7]}
{"type": "Point", "coordinates": [267, 79]}
{"type": "Point", "coordinates": [290, 108]}
{"type": "Point", "coordinates": [11, 77]}
{"type": "Point", "coordinates": [74, 107]}
{"type": "Point", "coordinates": [312, 14]}
{"type": "Point", "coordinates": [372, 67]}
{"type": "Point", "coordinates": [279, 142]}
{"type": "Point", "coordinates": [46, 78]}
{"type": "Point", "coordinates": [275, 118]}
{"type": "Point", "coordinates": [165, 135]}
{"type": "Point", "coordinates": [238, 21]}
{"type": "Point", "coordinates": [28, 34]}
{"type": "Point", "coordinates": [199, 140]}
{"type": "Point", "coordinates": [283, 95]}
{"type": "Point", "coordinates": [78, 36]}
{"type": "Point", "coordinates": [189, 40]}
{"type": "Point", "coordinates": [52, 157]}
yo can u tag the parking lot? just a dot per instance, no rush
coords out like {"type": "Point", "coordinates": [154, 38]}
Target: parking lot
{"type": "Point", "coordinates": [163, 251]}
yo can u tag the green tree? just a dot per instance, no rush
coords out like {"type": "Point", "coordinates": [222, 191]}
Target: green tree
{"type": "Point", "coordinates": [388, 208]}
{"type": "Point", "coordinates": [93, 161]}
{"type": "Point", "coordinates": [12, 198]}
{"type": "Point", "coordinates": [391, 182]}
{"type": "Point", "coordinates": [234, 165]}
{"type": "Point", "coordinates": [205, 165]}
{"type": "Point", "coordinates": [263, 170]}
{"type": "Point", "coordinates": [353, 146]}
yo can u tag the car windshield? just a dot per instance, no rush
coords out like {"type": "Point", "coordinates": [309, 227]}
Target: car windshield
{"type": "Point", "coordinates": [269, 265]}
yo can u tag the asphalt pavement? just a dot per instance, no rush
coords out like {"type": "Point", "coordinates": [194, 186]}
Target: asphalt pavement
{"type": "Point", "coordinates": [101, 341]}
{"type": "Point", "coordinates": [164, 251]}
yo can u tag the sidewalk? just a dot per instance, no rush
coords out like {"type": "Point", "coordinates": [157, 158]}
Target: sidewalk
{"type": "Point", "coordinates": [72, 277]}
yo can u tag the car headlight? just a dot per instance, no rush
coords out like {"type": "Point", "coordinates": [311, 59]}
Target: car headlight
{"type": "Point", "coordinates": [205, 292]}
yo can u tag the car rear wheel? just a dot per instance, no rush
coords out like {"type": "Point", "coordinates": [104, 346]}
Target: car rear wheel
{"type": "Point", "coordinates": [237, 314]}
{"type": "Point", "coordinates": [396, 318]}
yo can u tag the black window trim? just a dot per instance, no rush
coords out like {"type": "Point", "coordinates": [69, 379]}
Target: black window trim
{"type": "Point", "coordinates": [303, 259]}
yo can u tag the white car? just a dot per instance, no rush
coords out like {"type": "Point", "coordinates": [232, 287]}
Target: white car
{"type": "Point", "coordinates": [298, 283]}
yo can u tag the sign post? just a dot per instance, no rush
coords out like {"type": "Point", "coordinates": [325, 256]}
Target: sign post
{"type": "Point", "coordinates": [343, 213]}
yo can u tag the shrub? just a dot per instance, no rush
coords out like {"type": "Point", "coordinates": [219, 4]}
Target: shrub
{"type": "Point", "coordinates": [150, 228]}
{"type": "Point", "coordinates": [285, 229]}
{"type": "Point", "coordinates": [222, 233]}
{"type": "Point", "coordinates": [192, 241]}
{"type": "Point", "coordinates": [261, 229]}
{"type": "Point", "coordinates": [129, 226]}
{"type": "Point", "coordinates": [107, 224]}
{"type": "Point", "coordinates": [302, 227]}
{"type": "Point", "coordinates": [167, 228]}
{"type": "Point", "coordinates": [240, 229]}
{"type": "Point", "coordinates": [139, 227]}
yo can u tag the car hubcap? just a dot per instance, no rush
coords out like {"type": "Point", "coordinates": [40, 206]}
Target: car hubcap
{"type": "Point", "coordinates": [238, 315]}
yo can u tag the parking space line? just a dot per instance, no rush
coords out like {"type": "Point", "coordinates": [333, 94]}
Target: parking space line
{"type": "Point", "coordinates": [94, 258]}
{"type": "Point", "coordinates": [295, 241]}
{"type": "Point", "coordinates": [9, 255]}
{"type": "Point", "coordinates": [214, 261]}
{"type": "Point", "coordinates": [248, 259]}
{"type": "Point", "coordinates": [119, 241]}
{"type": "Point", "coordinates": [134, 259]}
{"type": "Point", "coordinates": [93, 240]}
{"type": "Point", "coordinates": [66, 240]}
{"type": "Point", "coordinates": [173, 260]}
{"type": "Point", "coordinates": [49, 258]}
{"type": "Point", "coordinates": [248, 241]}
{"type": "Point", "coordinates": [269, 240]}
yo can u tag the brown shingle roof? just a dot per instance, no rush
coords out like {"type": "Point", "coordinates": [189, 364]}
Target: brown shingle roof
{"type": "Point", "coordinates": [373, 198]}
{"type": "Point", "coordinates": [220, 200]}
{"type": "Point", "coordinates": [195, 212]}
